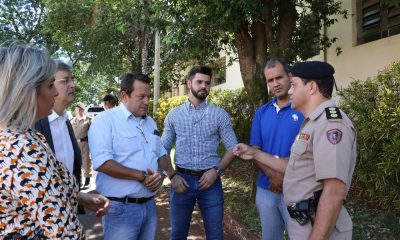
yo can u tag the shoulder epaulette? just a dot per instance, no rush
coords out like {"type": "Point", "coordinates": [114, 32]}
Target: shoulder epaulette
{"type": "Point", "coordinates": [333, 113]}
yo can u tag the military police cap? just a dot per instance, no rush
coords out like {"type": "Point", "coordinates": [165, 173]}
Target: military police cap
{"type": "Point", "coordinates": [80, 105]}
{"type": "Point", "coordinates": [312, 69]}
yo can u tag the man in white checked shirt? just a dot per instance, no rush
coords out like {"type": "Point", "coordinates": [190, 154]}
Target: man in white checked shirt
{"type": "Point", "coordinates": [197, 127]}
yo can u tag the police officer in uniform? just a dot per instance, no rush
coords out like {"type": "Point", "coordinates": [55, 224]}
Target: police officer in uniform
{"type": "Point", "coordinates": [80, 124]}
{"type": "Point", "coordinates": [322, 160]}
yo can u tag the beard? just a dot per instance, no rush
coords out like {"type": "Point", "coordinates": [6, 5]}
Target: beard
{"type": "Point", "coordinates": [198, 95]}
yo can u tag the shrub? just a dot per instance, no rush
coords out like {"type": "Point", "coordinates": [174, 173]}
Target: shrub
{"type": "Point", "coordinates": [374, 107]}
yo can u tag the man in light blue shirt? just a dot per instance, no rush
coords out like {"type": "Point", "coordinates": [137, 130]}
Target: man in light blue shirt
{"type": "Point", "coordinates": [198, 126]}
{"type": "Point", "coordinates": [128, 154]}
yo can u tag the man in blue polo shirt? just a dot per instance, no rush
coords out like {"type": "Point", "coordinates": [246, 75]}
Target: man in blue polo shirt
{"type": "Point", "coordinates": [274, 129]}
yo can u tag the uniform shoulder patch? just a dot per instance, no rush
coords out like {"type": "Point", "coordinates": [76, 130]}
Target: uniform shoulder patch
{"type": "Point", "coordinates": [333, 113]}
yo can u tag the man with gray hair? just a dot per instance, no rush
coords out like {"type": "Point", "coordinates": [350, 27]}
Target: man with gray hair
{"type": "Point", "coordinates": [57, 128]}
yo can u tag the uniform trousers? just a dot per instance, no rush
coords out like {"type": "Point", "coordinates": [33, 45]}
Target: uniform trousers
{"type": "Point", "coordinates": [86, 162]}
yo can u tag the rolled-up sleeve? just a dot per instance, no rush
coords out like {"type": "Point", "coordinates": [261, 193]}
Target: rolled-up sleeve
{"type": "Point", "coordinates": [226, 131]}
{"type": "Point", "coordinates": [100, 141]}
{"type": "Point", "coordinates": [168, 136]}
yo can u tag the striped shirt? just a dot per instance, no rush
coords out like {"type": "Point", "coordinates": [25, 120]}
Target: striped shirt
{"type": "Point", "coordinates": [197, 131]}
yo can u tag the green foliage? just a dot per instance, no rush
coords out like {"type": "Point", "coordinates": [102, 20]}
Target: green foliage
{"type": "Point", "coordinates": [235, 102]}
{"type": "Point", "coordinates": [374, 106]}
{"type": "Point", "coordinates": [239, 107]}
{"type": "Point", "coordinates": [21, 20]}
{"type": "Point", "coordinates": [163, 108]}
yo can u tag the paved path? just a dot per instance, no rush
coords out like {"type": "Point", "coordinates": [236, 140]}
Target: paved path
{"type": "Point", "coordinates": [94, 228]}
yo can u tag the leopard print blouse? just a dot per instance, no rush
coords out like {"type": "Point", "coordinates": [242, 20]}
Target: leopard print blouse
{"type": "Point", "coordinates": [38, 195]}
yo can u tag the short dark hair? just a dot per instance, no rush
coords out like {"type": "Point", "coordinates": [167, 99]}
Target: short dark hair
{"type": "Point", "coordinates": [271, 63]}
{"type": "Point", "coordinates": [325, 85]}
{"type": "Point", "coordinates": [63, 66]}
{"type": "Point", "coordinates": [128, 80]}
{"type": "Point", "coordinates": [200, 69]}
{"type": "Point", "coordinates": [111, 99]}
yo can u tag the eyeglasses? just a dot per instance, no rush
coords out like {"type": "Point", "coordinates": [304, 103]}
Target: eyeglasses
{"type": "Point", "coordinates": [66, 80]}
{"type": "Point", "coordinates": [141, 131]}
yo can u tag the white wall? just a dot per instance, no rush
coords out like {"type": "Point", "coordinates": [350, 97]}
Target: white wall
{"type": "Point", "coordinates": [362, 61]}
{"type": "Point", "coordinates": [233, 77]}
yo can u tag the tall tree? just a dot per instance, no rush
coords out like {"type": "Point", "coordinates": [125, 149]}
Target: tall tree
{"type": "Point", "coordinates": [253, 29]}
{"type": "Point", "coordinates": [21, 20]}
{"type": "Point", "coordinates": [112, 35]}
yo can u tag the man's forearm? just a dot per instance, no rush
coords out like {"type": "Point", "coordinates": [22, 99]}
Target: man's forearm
{"type": "Point", "coordinates": [328, 209]}
{"type": "Point", "coordinates": [114, 169]}
{"type": "Point", "coordinates": [226, 159]}
{"type": "Point", "coordinates": [275, 163]}
{"type": "Point", "coordinates": [165, 164]}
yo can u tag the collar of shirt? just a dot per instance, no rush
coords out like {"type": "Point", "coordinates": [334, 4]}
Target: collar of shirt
{"type": "Point", "coordinates": [321, 108]}
{"type": "Point", "coordinates": [80, 118]}
{"type": "Point", "coordinates": [190, 105]}
{"type": "Point", "coordinates": [127, 114]}
{"type": "Point", "coordinates": [53, 116]}
{"type": "Point", "coordinates": [273, 102]}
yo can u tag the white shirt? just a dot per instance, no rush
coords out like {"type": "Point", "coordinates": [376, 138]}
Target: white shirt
{"type": "Point", "coordinates": [61, 139]}
{"type": "Point", "coordinates": [133, 142]}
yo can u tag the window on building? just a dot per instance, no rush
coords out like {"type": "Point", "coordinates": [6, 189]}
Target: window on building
{"type": "Point", "coordinates": [376, 20]}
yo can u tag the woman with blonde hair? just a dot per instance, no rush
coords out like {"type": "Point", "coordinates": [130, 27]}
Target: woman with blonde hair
{"type": "Point", "coordinates": [38, 195]}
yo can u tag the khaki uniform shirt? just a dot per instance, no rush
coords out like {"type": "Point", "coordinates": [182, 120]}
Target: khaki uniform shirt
{"type": "Point", "coordinates": [324, 148]}
{"type": "Point", "coordinates": [81, 127]}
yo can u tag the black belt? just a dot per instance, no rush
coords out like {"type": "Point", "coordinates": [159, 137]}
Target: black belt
{"type": "Point", "coordinates": [130, 200]}
{"type": "Point", "coordinates": [191, 172]}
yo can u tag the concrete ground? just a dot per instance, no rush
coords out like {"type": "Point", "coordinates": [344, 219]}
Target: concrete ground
{"type": "Point", "coordinates": [94, 228]}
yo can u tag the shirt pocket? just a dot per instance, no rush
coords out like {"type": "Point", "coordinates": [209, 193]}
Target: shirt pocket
{"type": "Point", "coordinates": [127, 142]}
{"type": "Point", "coordinates": [299, 154]}
{"type": "Point", "coordinates": [299, 148]}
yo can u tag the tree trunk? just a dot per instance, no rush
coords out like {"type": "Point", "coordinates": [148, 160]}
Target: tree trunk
{"type": "Point", "coordinates": [252, 54]}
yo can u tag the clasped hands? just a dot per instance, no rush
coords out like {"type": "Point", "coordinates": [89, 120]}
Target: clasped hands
{"type": "Point", "coordinates": [153, 180]}
{"type": "Point", "coordinates": [208, 178]}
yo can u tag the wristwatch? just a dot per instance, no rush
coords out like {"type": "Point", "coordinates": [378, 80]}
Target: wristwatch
{"type": "Point", "coordinates": [218, 170]}
{"type": "Point", "coordinates": [145, 175]}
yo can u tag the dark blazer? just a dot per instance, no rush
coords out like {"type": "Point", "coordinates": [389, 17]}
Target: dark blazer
{"type": "Point", "coordinates": [43, 126]}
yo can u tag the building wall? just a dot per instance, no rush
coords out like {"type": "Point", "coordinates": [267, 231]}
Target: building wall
{"type": "Point", "coordinates": [233, 77]}
{"type": "Point", "coordinates": [358, 61]}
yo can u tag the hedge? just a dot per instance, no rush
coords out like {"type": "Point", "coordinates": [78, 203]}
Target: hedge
{"type": "Point", "coordinates": [374, 107]}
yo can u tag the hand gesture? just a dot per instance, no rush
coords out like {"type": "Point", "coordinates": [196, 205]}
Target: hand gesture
{"type": "Point", "coordinates": [244, 151]}
{"type": "Point", "coordinates": [208, 179]}
{"type": "Point", "coordinates": [94, 202]}
{"type": "Point", "coordinates": [154, 180]}
{"type": "Point", "coordinates": [179, 184]}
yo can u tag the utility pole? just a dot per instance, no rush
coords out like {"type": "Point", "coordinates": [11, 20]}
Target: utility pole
{"type": "Point", "coordinates": [156, 89]}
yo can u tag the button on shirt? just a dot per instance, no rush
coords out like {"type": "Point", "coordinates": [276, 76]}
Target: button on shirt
{"type": "Point", "coordinates": [63, 148]}
{"type": "Point", "coordinates": [197, 131]}
{"type": "Point", "coordinates": [131, 141]}
{"type": "Point", "coordinates": [274, 130]}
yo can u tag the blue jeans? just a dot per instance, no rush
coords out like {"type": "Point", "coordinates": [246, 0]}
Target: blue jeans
{"type": "Point", "coordinates": [211, 204]}
{"type": "Point", "coordinates": [273, 214]}
{"type": "Point", "coordinates": [129, 221]}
